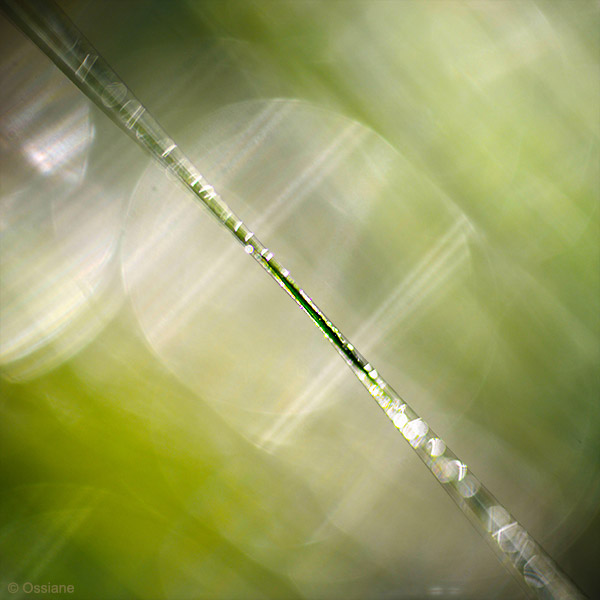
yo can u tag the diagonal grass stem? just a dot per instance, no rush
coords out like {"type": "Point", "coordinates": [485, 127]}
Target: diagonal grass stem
{"type": "Point", "coordinates": [64, 44]}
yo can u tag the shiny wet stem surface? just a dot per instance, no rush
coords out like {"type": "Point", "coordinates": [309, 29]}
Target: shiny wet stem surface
{"type": "Point", "coordinates": [173, 428]}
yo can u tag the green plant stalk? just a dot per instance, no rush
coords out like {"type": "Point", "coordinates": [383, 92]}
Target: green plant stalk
{"type": "Point", "coordinates": [65, 45]}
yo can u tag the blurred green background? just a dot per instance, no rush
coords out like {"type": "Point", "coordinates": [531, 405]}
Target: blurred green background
{"type": "Point", "coordinates": [173, 426]}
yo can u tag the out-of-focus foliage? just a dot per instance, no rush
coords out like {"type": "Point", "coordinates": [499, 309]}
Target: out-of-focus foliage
{"type": "Point", "coordinates": [173, 427]}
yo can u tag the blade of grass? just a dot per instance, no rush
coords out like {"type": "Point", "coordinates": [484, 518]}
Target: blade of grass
{"type": "Point", "coordinates": [65, 45]}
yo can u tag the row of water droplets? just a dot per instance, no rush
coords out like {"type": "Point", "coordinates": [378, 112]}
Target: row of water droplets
{"type": "Point", "coordinates": [64, 44]}
{"type": "Point", "coordinates": [508, 537]}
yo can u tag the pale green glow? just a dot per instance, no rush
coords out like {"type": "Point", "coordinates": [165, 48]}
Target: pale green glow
{"type": "Point", "coordinates": [471, 108]}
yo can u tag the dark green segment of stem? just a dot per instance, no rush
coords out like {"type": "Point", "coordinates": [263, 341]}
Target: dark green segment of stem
{"type": "Point", "coordinates": [317, 317]}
